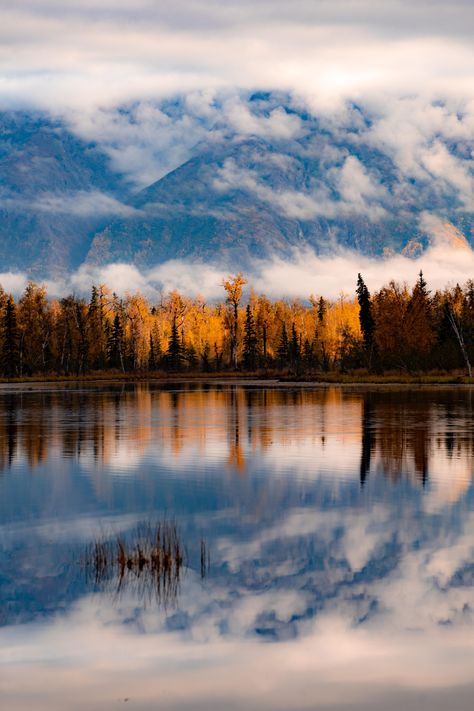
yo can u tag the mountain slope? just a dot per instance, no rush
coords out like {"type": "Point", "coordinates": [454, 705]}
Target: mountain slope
{"type": "Point", "coordinates": [287, 183]}
{"type": "Point", "coordinates": [55, 192]}
{"type": "Point", "coordinates": [242, 200]}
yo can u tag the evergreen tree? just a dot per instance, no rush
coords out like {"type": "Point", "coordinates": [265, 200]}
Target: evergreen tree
{"type": "Point", "coordinates": [115, 350]}
{"type": "Point", "coordinates": [283, 351]}
{"type": "Point", "coordinates": [97, 330]}
{"type": "Point", "coordinates": [308, 353]}
{"type": "Point", "coordinates": [250, 341]}
{"type": "Point", "coordinates": [152, 362]}
{"type": "Point", "coordinates": [174, 354]}
{"type": "Point", "coordinates": [322, 309]}
{"type": "Point", "coordinates": [205, 361]}
{"type": "Point", "coordinates": [294, 346]}
{"type": "Point", "coordinates": [366, 318]}
{"type": "Point", "coordinates": [10, 338]}
{"type": "Point", "coordinates": [419, 326]}
{"type": "Point", "coordinates": [191, 357]}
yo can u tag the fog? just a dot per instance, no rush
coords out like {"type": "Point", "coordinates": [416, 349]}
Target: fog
{"type": "Point", "coordinates": [302, 275]}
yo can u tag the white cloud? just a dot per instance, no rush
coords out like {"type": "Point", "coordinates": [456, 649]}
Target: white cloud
{"type": "Point", "coordinates": [79, 54]}
{"type": "Point", "coordinates": [278, 124]}
{"type": "Point", "coordinates": [121, 278]}
{"type": "Point", "coordinates": [13, 282]}
{"type": "Point", "coordinates": [146, 142]}
{"type": "Point", "coordinates": [352, 181]}
{"type": "Point", "coordinates": [449, 260]}
{"type": "Point", "coordinates": [82, 204]}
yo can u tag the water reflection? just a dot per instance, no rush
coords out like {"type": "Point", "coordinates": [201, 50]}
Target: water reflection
{"type": "Point", "coordinates": [340, 524]}
{"type": "Point", "coordinates": [392, 433]}
{"type": "Point", "coordinates": [149, 563]}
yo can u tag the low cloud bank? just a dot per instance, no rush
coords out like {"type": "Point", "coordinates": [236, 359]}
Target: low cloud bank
{"type": "Point", "coordinates": [80, 203]}
{"type": "Point", "coordinates": [304, 274]}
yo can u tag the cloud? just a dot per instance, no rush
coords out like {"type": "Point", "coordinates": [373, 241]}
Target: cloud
{"type": "Point", "coordinates": [356, 190]}
{"type": "Point", "coordinates": [82, 203]}
{"type": "Point", "coordinates": [147, 139]}
{"type": "Point", "coordinates": [82, 54]}
{"type": "Point", "coordinates": [442, 233]}
{"type": "Point", "coordinates": [278, 123]}
{"type": "Point", "coordinates": [13, 282]}
{"type": "Point", "coordinates": [449, 260]}
{"type": "Point", "coordinates": [155, 85]}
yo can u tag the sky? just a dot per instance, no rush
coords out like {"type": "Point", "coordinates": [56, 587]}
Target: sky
{"type": "Point", "coordinates": [410, 65]}
{"type": "Point", "coordinates": [84, 52]}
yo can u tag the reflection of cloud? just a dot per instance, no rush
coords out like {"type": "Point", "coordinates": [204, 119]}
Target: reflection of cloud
{"type": "Point", "coordinates": [89, 656]}
{"type": "Point", "coordinates": [364, 593]}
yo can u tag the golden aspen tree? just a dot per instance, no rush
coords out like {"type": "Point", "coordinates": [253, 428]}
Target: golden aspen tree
{"type": "Point", "coordinates": [234, 286]}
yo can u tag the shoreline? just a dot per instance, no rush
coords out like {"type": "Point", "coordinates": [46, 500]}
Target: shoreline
{"type": "Point", "coordinates": [331, 380]}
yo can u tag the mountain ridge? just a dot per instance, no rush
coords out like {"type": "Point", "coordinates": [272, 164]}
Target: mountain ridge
{"type": "Point", "coordinates": [236, 199]}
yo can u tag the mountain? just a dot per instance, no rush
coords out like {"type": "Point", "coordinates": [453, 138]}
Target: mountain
{"type": "Point", "coordinates": [247, 199]}
{"type": "Point", "coordinates": [56, 191]}
{"type": "Point", "coordinates": [241, 196]}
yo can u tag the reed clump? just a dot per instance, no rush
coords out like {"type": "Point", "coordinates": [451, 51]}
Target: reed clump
{"type": "Point", "coordinates": [150, 561]}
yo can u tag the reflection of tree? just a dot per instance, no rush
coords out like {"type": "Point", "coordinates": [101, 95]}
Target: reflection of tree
{"type": "Point", "coordinates": [367, 438]}
{"type": "Point", "coordinates": [419, 440]}
{"type": "Point", "coordinates": [35, 430]}
{"type": "Point", "coordinates": [399, 432]}
{"type": "Point", "coordinates": [236, 455]}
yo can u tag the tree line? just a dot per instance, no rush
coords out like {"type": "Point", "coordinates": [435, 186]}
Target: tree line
{"type": "Point", "coordinates": [397, 328]}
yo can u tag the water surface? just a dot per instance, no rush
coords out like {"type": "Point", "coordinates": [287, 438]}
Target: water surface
{"type": "Point", "coordinates": [338, 527]}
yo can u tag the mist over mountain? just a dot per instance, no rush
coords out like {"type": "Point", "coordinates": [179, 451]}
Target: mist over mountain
{"type": "Point", "coordinates": [56, 190]}
{"type": "Point", "coordinates": [240, 178]}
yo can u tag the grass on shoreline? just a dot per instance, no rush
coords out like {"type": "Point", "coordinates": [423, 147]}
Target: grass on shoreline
{"type": "Point", "coordinates": [318, 378]}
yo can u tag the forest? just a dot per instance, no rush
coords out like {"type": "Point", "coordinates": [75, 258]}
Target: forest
{"type": "Point", "coordinates": [396, 329]}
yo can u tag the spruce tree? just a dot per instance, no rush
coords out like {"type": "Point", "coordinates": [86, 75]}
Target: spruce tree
{"type": "Point", "coordinates": [366, 318]}
{"type": "Point", "coordinates": [115, 350]}
{"type": "Point", "coordinates": [283, 351]}
{"type": "Point", "coordinates": [322, 308]}
{"type": "Point", "coordinates": [419, 324]}
{"type": "Point", "coordinates": [191, 357]}
{"type": "Point", "coordinates": [250, 341]}
{"type": "Point", "coordinates": [205, 361]}
{"type": "Point", "coordinates": [97, 325]}
{"type": "Point", "coordinates": [10, 337]}
{"type": "Point", "coordinates": [294, 346]}
{"type": "Point", "coordinates": [308, 353]}
{"type": "Point", "coordinates": [152, 364]}
{"type": "Point", "coordinates": [174, 354]}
